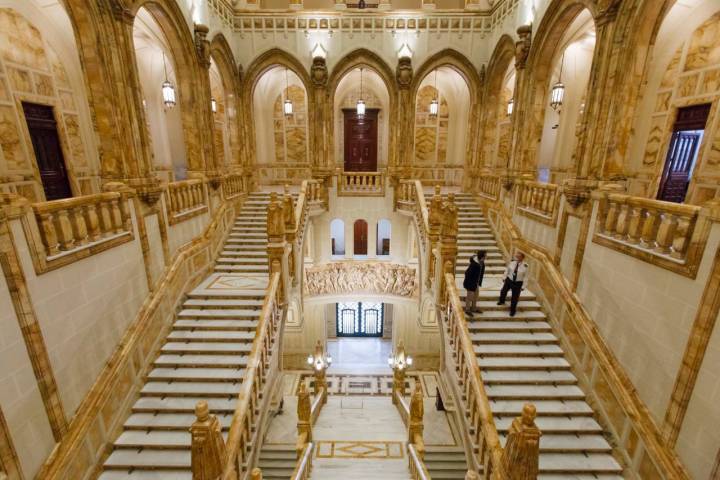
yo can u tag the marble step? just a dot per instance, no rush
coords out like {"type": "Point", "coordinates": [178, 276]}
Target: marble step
{"type": "Point", "coordinates": [184, 324]}
{"type": "Point", "coordinates": [140, 474]}
{"type": "Point", "coordinates": [248, 292]}
{"type": "Point", "coordinates": [491, 294]}
{"type": "Point", "coordinates": [155, 459]}
{"type": "Point", "coordinates": [242, 261]}
{"type": "Point", "coordinates": [578, 463]}
{"type": "Point", "coordinates": [491, 304]}
{"type": "Point", "coordinates": [522, 377]}
{"type": "Point", "coordinates": [236, 348]}
{"type": "Point", "coordinates": [190, 389]}
{"type": "Point", "coordinates": [566, 425]}
{"type": "Point", "coordinates": [242, 268]}
{"type": "Point", "coordinates": [234, 314]}
{"type": "Point", "coordinates": [154, 440]}
{"type": "Point", "coordinates": [504, 314]}
{"type": "Point", "coordinates": [513, 408]}
{"type": "Point", "coordinates": [513, 338]}
{"type": "Point", "coordinates": [198, 374]}
{"type": "Point", "coordinates": [523, 363]}
{"type": "Point", "coordinates": [534, 392]}
{"type": "Point", "coordinates": [169, 421]}
{"type": "Point", "coordinates": [518, 350]}
{"type": "Point", "coordinates": [579, 476]}
{"type": "Point", "coordinates": [249, 303]}
{"type": "Point", "coordinates": [245, 253]}
{"type": "Point", "coordinates": [200, 360]}
{"type": "Point", "coordinates": [210, 336]}
{"type": "Point", "coordinates": [183, 405]}
{"type": "Point", "coordinates": [583, 442]}
{"type": "Point", "coordinates": [245, 246]}
{"type": "Point", "coordinates": [510, 325]}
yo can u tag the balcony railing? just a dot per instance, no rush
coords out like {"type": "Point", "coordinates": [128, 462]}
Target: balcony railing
{"type": "Point", "coordinates": [488, 186]}
{"type": "Point", "coordinates": [185, 199]}
{"type": "Point", "coordinates": [669, 235]}
{"type": "Point", "coordinates": [361, 184]}
{"type": "Point", "coordinates": [235, 185]}
{"type": "Point", "coordinates": [539, 201]}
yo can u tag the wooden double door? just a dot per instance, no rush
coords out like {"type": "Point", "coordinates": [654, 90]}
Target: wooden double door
{"type": "Point", "coordinates": [361, 137]}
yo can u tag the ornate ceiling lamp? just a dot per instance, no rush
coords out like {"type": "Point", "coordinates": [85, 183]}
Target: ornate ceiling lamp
{"type": "Point", "coordinates": [558, 90]}
{"type": "Point", "coordinates": [510, 106]}
{"type": "Point", "coordinates": [213, 105]}
{"type": "Point", "coordinates": [434, 105]}
{"type": "Point", "coordinates": [168, 89]}
{"type": "Point", "coordinates": [287, 104]}
{"type": "Point", "coordinates": [360, 107]}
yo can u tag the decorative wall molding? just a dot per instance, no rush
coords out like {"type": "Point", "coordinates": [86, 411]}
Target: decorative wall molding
{"type": "Point", "coordinates": [361, 277]}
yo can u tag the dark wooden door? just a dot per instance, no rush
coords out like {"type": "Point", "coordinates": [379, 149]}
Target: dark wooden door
{"type": "Point", "coordinates": [48, 152]}
{"type": "Point", "coordinates": [682, 152]}
{"type": "Point", "coordinates": [361, 133]}
{"type": "Point", "coordinates": [360, 243]}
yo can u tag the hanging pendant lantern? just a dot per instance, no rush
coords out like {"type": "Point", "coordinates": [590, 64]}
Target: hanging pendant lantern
{"type": "Point", "coordinates": [510, 106]}
{"type": "Point", "coordinates": [558, 90]}
{"type": "Point", "coordinates": [360, 106]}
{"type": "Point", "coordinates": [434, 104]}
{"type": "Point", "coordinates": [213, 105]}
{"type": "Point", "coordinates": [168, 89]}
{"type": "Point", "coordinates": [287, 104]}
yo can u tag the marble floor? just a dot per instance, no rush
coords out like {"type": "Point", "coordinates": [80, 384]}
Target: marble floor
{"type": "Point", "coordinates": [367, 356]}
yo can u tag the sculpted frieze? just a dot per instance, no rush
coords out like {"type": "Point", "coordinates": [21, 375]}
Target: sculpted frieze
{"type": "Point", "coordinates": [361, 277]}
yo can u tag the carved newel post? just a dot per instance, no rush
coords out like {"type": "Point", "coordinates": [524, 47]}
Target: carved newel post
{"type": "Point", "coordinates": [276, 238]}
{"type": "Point", "coordinates": [207, 445]}
{"type": "Point", "coordinates": [448, 242]}
{"type": "Point", "coordinates": [256, 474]}
{"type": "Point", "coordinates": [290, 228]}
{"type": "Point", "coordinates": [435, 216]}
{"type": "Point", "coordinates": [522, 449]}
{"type": "Point", "coordinates": [415, 423]}
{"type": "Point", "coordinates": [304, 424]}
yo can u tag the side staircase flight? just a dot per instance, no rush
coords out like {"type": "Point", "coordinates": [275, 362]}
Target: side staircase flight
{"type": "Point", "coordinates": [204, 358]}
{"type": "Point", "coordinates": [521, 361]}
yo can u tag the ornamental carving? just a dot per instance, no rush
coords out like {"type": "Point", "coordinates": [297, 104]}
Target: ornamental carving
{"type": "Point", "coordinates": [522, 46]}
{"type": "Point", "coordinates": [202, 45]}
{"type": "Point", "coordinates": [319, 72]}
{"type": "Point", "coordinates": [361, 277]}
{"type": "Point", "coordinates": [404, 72]}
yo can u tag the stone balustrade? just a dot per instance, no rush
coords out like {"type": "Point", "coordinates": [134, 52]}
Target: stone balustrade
{"type": "Point", "coordinates": [361, 184]}
{"type": "Point", "coordinates": [185, 199]}
{"type": "Point", "coordinates": [304, 464]}
{"type": "Point", "coordinates": [669, 235]}
{"type": "Point", "coordinates": [487, 186]}
{"type": "Point", "coordinates": [234, 185]}
{"type": "Point", "coordinates": [418, 471]}
{"type": "Point", "coordinates": [253, 396]}
{"type": "Point", "coordinates": [538, 200]}
{"type": "Point", "coordinates": [315, 191]}
{"type": "Point", "coordinates": [85, 222]}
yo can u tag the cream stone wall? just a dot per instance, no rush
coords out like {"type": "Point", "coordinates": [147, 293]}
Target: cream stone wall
{"type": "Point", "coordinates": [700, 436]}
{"type": "Point", "coordinates": [537, 232]}
{"type": "Point", "coordinates": [20, 398]}
{"type": "Point", "coordinates": [157, 262]}
{"type": "Point", "coordinates": [431, 133]}
{"type": "Point", "coordinates": [83, 310]}
{"type": "Point", "coordinates": [290, 132]}
{"type": "Point", "coordinates": [570, 245]}
{"type": "Point", "coordinates": [32, 69]}
{"type": "Point", "coordinates": [644, 313]}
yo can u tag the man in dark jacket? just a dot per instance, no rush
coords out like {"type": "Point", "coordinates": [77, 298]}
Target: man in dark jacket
{"type": "Point", "coordinates": [473, 280]}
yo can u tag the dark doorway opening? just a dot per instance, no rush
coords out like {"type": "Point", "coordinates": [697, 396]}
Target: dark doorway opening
{"type": "Point", "coordinates": [48, 152]}
{"type": "Point", "coordinates": [360, 240]}
{"type": "Point", "coordinates": [361, 133]}
{"type": "Point", "coordinates": [359, 319]}
{"type": "Point", "coordinates": [682, 153]}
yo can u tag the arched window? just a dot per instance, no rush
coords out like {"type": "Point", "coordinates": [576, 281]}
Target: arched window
{"type": "Point", "coordinates": [383, 237]}
{"type": "Point", "coordinates": [359, 319]}
{"type": "Point", "coordinates": [337, 237]}
{"type": "Point", "coordinates": [360, 237]}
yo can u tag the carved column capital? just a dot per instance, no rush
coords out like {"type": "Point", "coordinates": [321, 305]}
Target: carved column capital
{"type": "Point", "coordinates": [522, 46]}
{"type": "Point", "coordinates": [404, 72]}
{"type": "Point", "coordinates": [202, 45]}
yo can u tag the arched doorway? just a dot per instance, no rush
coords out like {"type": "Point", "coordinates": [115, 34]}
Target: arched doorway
{"type": "Point", "coordinates": [360, 237]}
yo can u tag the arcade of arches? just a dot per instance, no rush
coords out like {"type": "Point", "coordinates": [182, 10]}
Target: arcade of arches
{"type": "Point", "coordinates": [172, 171]}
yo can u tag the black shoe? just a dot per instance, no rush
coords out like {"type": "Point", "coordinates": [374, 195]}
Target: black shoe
{"type": "Point", "coordinates": [500, 303]}
{"type": "Point", "coordinates": [512, 314]}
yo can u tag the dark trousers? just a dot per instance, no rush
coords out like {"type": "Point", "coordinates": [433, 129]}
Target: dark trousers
{"type": "Point", "coordinates": [515, 288]}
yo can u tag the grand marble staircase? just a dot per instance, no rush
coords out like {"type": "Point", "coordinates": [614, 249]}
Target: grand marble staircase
{"type": "Point", "coordinates": [445, 463]}
{"type": "Point", "coordinates": [203, 358]}
{"type": "Point", "coordinates": [521, 361]}
{"type": "Point", "coordinates": [475, 234]}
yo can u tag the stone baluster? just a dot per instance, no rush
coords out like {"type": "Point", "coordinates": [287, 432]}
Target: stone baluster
{"type": "Point", "coordinates": [622, 222]}
{"type": "Point", "coordinates": [610, 218]}
{"type": "Point", "coordinates": [649, 229]}
{"type": "Point", "coordinates": [207, 447]}
{"type": "Point", "coordinates": [116, 216]}
{"type": "Point", "coordinates": [682, 238]}
{"type": "Point", "coordinates": [634, 231]}
{"type": "Point", "coordinates": [79, 228]}
{"type": "Point", "coordinates": [666, 232]}
{"type": "Point", "coordinates": [49, 234]}
{"type": "Point", "coordinates": [106, 224]}
{"type": "Point", "coordinates": [92, 222]}
{"type": "Point", "coordinates": [522, 448]}
{"type": "Point", "coordinates": [64, 230]}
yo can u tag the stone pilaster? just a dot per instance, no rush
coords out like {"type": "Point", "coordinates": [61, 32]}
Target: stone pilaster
{"type": "Point", "coordinates": [213, 164]}
{"type": "Point", "coordinates": [318, 125]}
{"type": "Point", "coordinates": [406, 113]}
{"type": "Point", "coordinates": [523, 91]}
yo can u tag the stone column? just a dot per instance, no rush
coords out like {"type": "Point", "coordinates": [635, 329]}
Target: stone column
{"type": "Point", "coordinates": [320, 116]}
{"type": "Point", "coordinates": [523, 91]}
{"type": "Point", "coordinates": [213, 165]}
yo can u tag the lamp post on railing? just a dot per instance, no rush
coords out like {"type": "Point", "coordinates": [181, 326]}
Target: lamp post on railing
{"type": "Point", "coordinates": [399, 362]}
{"type": "Point", "coordinates": [320, 362]}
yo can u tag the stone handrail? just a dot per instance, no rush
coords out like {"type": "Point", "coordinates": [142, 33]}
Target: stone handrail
{"type": "Point", "coordinates": [361, 184]}
{"type": "Point", "coordinates": [484, 434]}
{"type": "Point", "coordinates": [633, 425]}
{"type": "Point", "coordinates": [234, 185]}
{"type": "Point", "coordinates": [410, 198]}
{"type": "Point", "coordinates": [318, 402]}
{"type": "Point", "coordinates": [539, 200]}
{"type": "Point", "coordinates": [185, 199]}
{"type": "Point", "coordinates": [670, 235]}
{"type": "Point", "coordinates": [77, 223]}
{"type": "Point", "coordinates": [304, 464]}
{"type": "Point", "coordinates": [418, 471]}
{"type": "Point", "coordinates": [241, 437]}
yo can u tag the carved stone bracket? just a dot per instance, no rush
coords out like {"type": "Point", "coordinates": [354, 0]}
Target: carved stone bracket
{"type": "Point", "coordinates": [404, 72]}
{"type": "Point", "coordinates": [522, 46]}
{"type": "Point", "coordinates": [202, 45]}
{"type": "Point", "coordinates": [319, 72]}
